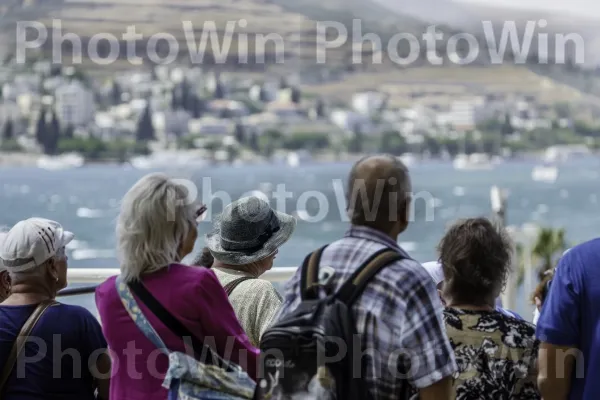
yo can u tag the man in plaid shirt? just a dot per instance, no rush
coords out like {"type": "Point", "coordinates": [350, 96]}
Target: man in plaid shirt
{"type": "Point", "coordinates": [404, 344]}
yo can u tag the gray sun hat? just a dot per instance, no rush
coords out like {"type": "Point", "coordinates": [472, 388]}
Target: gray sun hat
{"type": "Point", "coordinates": [248, 230]}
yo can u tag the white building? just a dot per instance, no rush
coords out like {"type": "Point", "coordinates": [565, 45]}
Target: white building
{"type": "Point", "coordinates": [211, 126]}
{"type": "Point", "coordinates": [348, 120]}
{"type": "Point", "coordinates": [465, 114]}
{"type": "Point", "coordinates": [367, 103]}
{"type": "Point", "coordinates": [74, 104]}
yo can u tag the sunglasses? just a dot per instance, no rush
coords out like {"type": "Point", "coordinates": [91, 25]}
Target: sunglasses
{"type": "Point", "coordinates": [200, 214]}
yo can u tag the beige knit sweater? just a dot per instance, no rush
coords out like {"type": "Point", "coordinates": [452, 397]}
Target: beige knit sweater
{"type": "Point", "coordinates": [255, 302]}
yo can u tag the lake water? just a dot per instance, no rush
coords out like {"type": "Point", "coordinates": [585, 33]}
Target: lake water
{"type": "Point", "coordinates": [86, 201]}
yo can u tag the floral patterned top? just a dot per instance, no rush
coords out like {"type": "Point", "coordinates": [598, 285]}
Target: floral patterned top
{"type": "Point", "coordinates": [496, 355]}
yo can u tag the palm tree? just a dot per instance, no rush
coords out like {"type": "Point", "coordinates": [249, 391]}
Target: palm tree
{"type": "Point", "coordinates": [547, 249]}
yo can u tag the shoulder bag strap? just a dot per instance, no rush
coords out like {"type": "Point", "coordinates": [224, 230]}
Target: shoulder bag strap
{"type": "Point", "coordinates": [180, 330]}
{"type": "Point", "coordinates": [22, 339]}
{"type": "Point", "coordinates": [309, 279]}
{"type": "Point", "coordinates": [138, 316]}
{"type": "Point", "coordinates": [356, 284]}
{"type": "Point", "coordinates": [230, 287]}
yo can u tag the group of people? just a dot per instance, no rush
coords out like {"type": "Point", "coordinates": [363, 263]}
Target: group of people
{"type": "Point", "coordinates": [459, 343]}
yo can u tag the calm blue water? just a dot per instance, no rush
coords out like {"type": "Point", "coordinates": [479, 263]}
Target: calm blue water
{"type": "Point", "coordinates": [86, 201]}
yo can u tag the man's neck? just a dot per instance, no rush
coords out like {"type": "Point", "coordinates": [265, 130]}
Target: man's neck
{"type": "Point", "coordinates": [393, 234]}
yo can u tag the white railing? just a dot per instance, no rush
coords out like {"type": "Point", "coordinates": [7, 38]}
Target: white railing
{"type": "Point", "coordinates": [98, 275]}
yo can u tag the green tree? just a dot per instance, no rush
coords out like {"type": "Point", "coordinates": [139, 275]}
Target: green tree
{"type": "Point", "coordinates": [507, 128]}
{"type": "Point", "coordinates": [240, 133]}
{"type": "Point", "coordinates": [69, 132]}
{"type": "Point", "coordinates": [320, 108]}
{"type": "Point", "coordinates": [547, 249]}
{"type": "Point", "coordinates": [307, 141]}
{"type": "Point", "coordinates": [296, 95]}
{"type": "Point", "coordinates": [116, 93]}
{"type": "Point", "coordinates": [52, 136]}
{"type": "Point", "coordinates": [219, 90]}
{"type": "Point", "coordinates": [11, 146]}
{"type": "Point", "coordinates": [357, 142]}
{"type": "Point", "coordinates": [8, 132]}
{"type": "Point", "coordinates": [40, 130]}
{"type": "Point", "coordinates": [392, 142]}
{"type": "Point", "coordinates": [145, 128]}
{"type": "Point", "coordinates": [253, 142]}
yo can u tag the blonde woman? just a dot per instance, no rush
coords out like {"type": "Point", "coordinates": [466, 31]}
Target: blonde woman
{"type": "Point", "coordinates": [245, 241]}
{"type": "Point", "coordinates": [156, 229]}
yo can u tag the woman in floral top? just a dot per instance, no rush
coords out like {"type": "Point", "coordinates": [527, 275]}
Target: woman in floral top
{"type": "Point", "coordinates": [496, 353]}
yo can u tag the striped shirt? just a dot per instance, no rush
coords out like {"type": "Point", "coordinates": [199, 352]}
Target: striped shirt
{"type": "Point", "coordinates": [399, 316]}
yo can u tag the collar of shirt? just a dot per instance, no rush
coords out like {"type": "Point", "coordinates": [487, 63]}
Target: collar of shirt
{"type": "Point", "coordinates": [368, 233]}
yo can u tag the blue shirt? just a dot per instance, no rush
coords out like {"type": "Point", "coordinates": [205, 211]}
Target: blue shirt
{"type": "Point", "coordinates": [571, 315]}
{"type": "Point", "coordinates": [63, 330]}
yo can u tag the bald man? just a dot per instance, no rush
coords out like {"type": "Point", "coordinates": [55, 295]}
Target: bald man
{"type": "Point", "coordinates": [399, 312]}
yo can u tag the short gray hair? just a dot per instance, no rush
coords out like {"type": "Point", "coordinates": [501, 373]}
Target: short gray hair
{"type": "Point", "coordinates": [153, 221]}
{"type": "Point", "coordinates": [377, 187]}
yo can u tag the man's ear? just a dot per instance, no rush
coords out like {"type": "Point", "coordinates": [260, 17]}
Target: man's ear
{"type": "Point", "coordinates": [404, 212]}
{"type": "Point", "coordinates": [52, 269]}
{"type": "Point", "coordinates": [5, 279]}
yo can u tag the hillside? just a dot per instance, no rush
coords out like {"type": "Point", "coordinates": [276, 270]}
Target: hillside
{"type": "Point", "coordinates": [295, 21]}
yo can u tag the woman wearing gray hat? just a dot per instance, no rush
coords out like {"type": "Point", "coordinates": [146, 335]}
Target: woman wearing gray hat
{"type": "Point", "coordinates": [244, 244]}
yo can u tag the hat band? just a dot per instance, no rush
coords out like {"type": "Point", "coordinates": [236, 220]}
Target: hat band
{"type": "Point", "coordinates": [19, 264]}
{"type": "Point", "coordinates": [252, 246]}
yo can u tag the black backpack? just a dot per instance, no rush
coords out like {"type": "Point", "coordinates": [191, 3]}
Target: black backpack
{"type": "Point", "coordinates": [298, 355]}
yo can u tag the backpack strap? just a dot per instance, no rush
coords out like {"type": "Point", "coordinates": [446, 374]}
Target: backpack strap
{"type": "Point", "coordinates": [309, 279]}
{"type": "Point", "coordinates": [355, 285]}
{"type": "Point", "coordinates": [230, 287]}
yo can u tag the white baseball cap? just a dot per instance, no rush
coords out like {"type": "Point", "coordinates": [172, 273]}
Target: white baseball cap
{"type": "Point", "coordinates": [435, 270]}
{"type": "Point", "coordinates": [32, 242]}
{"type": "Point", "coordinates": [2, 236]}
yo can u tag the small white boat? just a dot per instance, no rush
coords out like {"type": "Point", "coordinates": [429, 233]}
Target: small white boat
{"type": "Point", "coordinates": [545, 173]}
{"type": "Point", "coordinates": [409, 159]}
{"type": "Point", "coordinates": [475, 161]}
{"type": "Point", "coordinates": [292, 159]}
{"type": "Point", "coordinates": [169, 159]}
{"type": "Point", "coordinates": [64, 161]}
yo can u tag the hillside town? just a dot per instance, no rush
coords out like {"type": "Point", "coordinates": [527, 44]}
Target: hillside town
{"type": "Point", "coordinates": [200, 115]}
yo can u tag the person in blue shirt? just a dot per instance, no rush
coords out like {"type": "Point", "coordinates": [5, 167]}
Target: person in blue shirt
{"type": "Point", "coordinates": [436, 272]}
{"type": "Point", "coordinates": [4, 277]}
{"type": "Point", "coordinates": [65, 356]}
{"type": "Point", "coordinates": [569, 327]}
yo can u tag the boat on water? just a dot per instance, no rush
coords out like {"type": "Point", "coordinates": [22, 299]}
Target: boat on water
{"type": "Point", "coordinates": [409, 159]}
{"type": "Point", "coordinates": [61, 162]}
{"type": "Point", "coordinates": [292, 159]}
{"type": "Point", "coordinates": [169, 159]}
{"type": "Point", "coordinates": [472, 162]}
{"type": "Point", "coordinates": [545, 173]}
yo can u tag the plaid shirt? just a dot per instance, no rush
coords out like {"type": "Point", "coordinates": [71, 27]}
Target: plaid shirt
{"type": "Point", "coordinates": [399, 316]}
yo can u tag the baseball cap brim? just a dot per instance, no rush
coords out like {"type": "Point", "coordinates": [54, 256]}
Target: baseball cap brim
{"type": "Point", "coordinates": [67, 237]}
